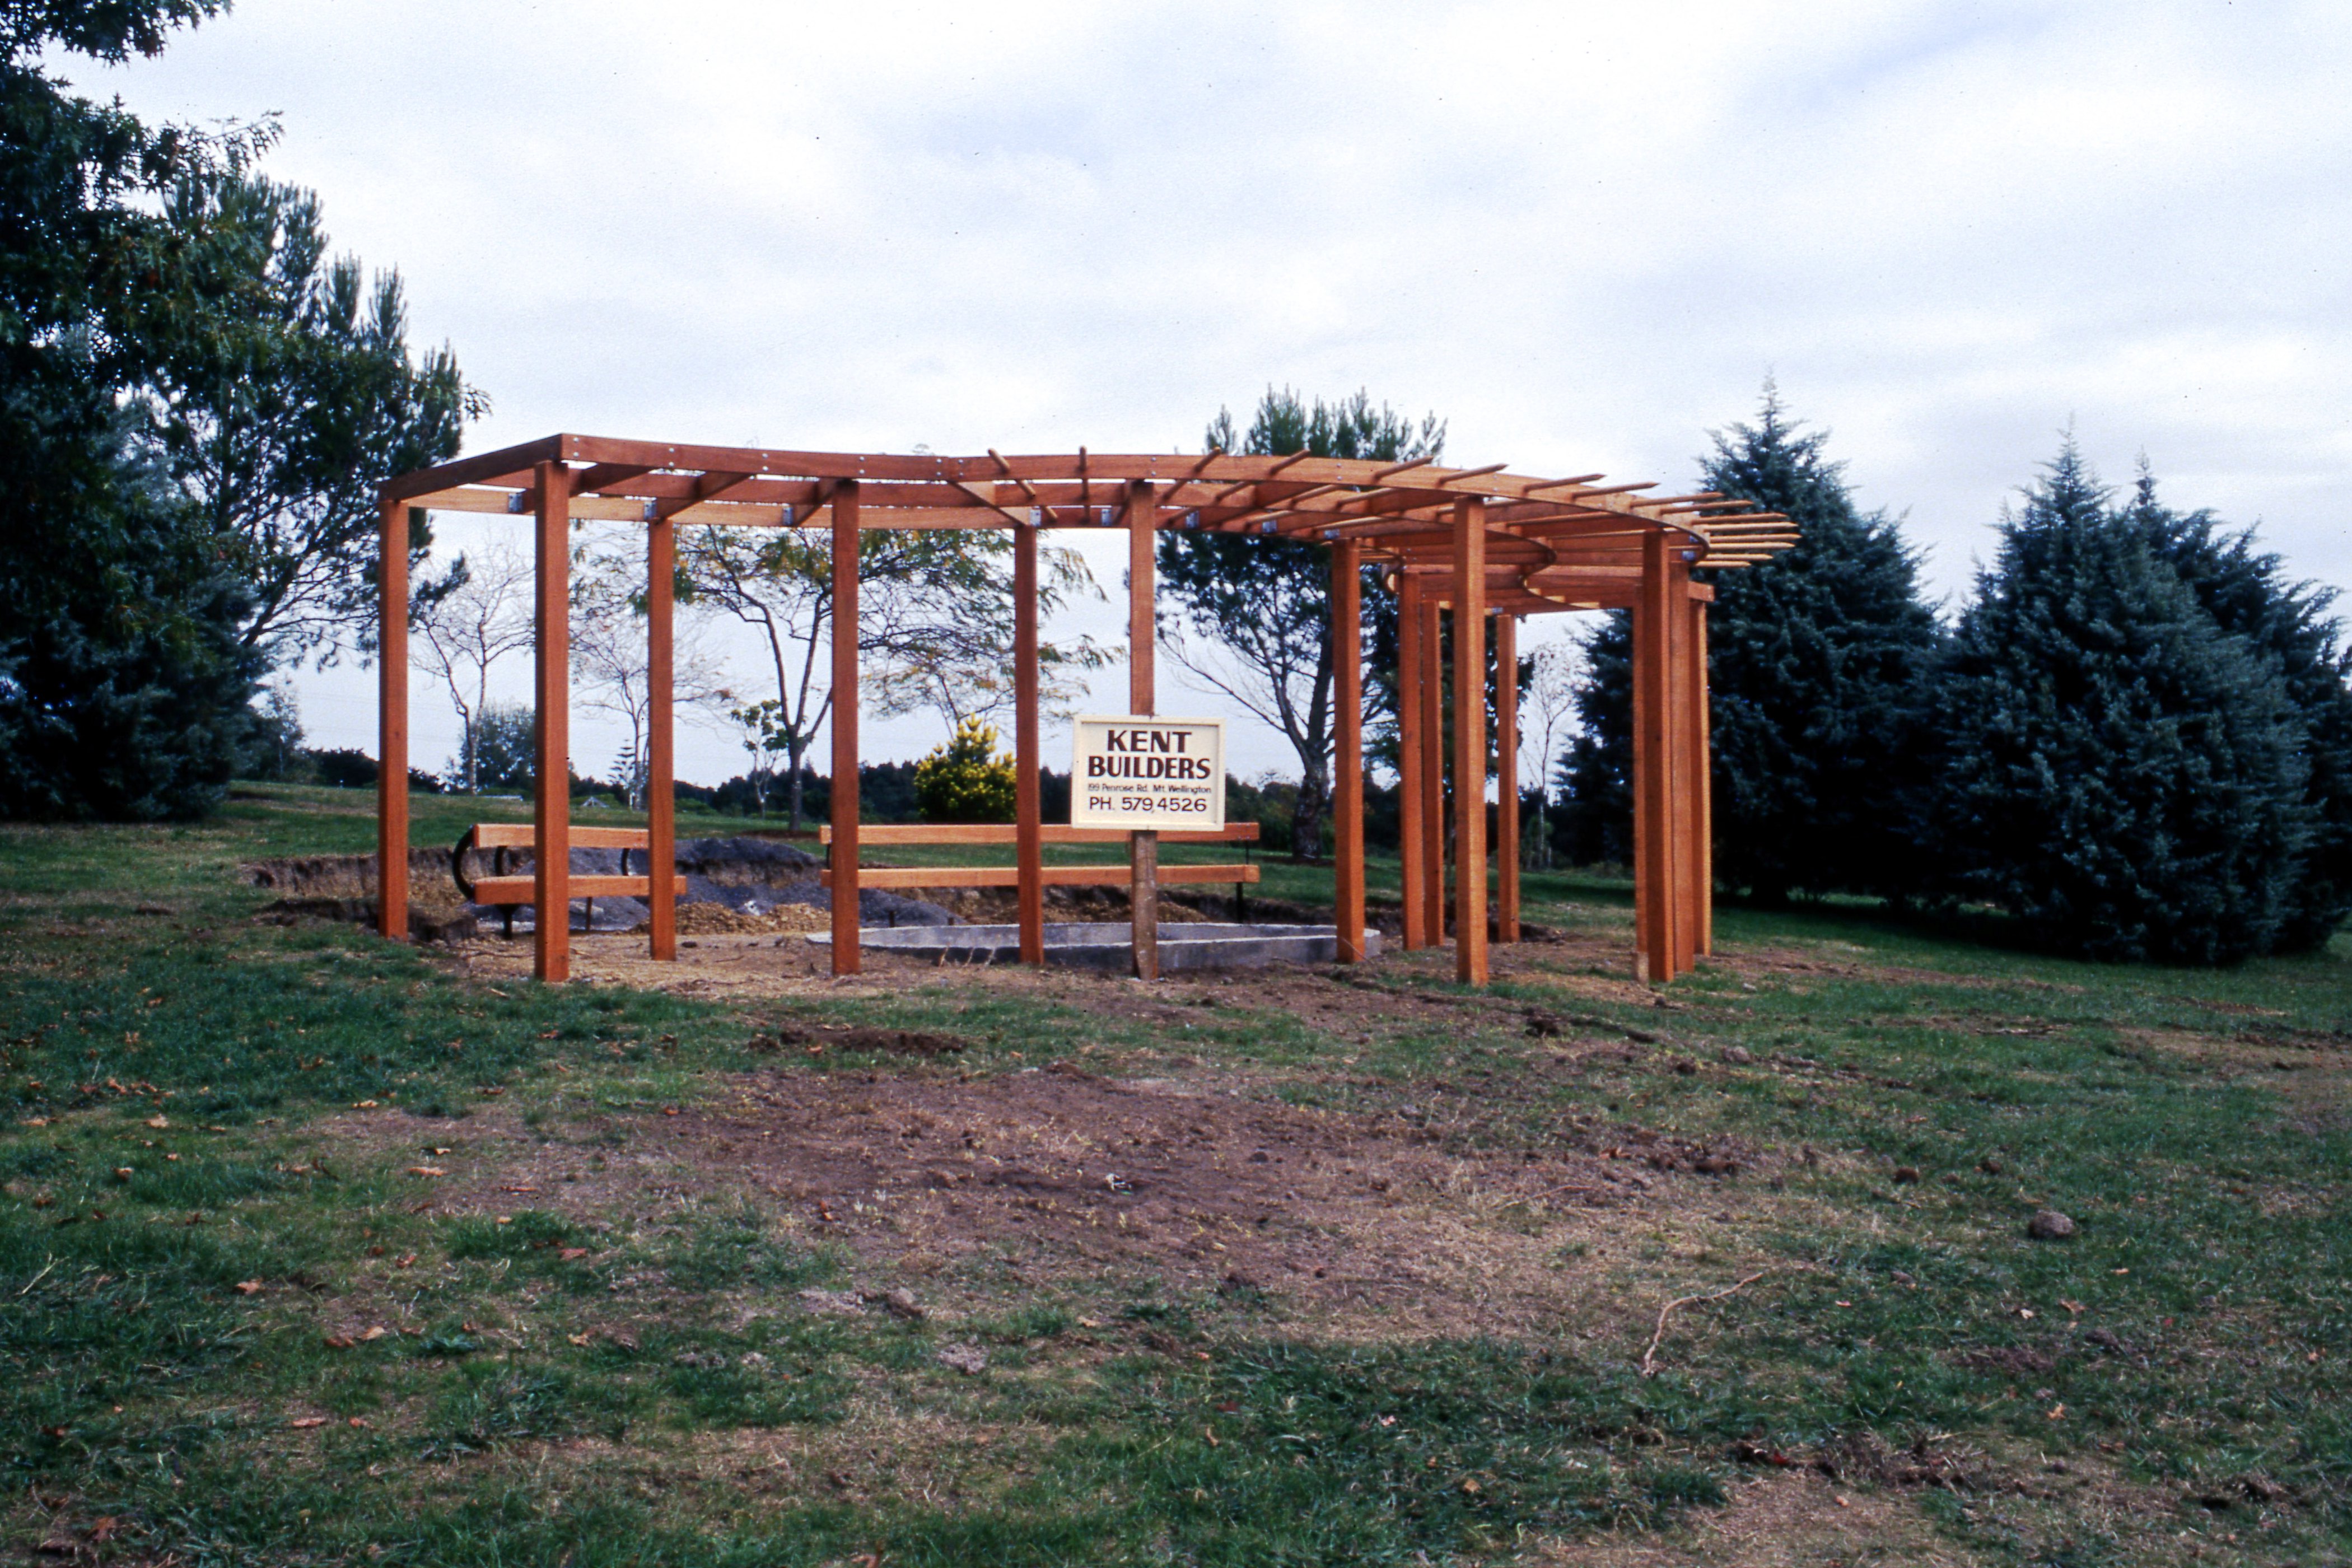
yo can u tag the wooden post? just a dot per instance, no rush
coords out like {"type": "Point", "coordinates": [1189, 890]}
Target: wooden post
{"type": "Point", "coordinates": [1470, 741]}
{"type": "Point", "coordinates": [1142, 627]}
{"type": "Point", "coordinates": [1410, 806]}
{"type": "Point", "coordinates": [552, 799]}
{"type": "Point", "coordinates": [661, 756]}
{"type": "Point", "coordinates": [1506, 776]}
{"type": "Point", "coordinates": [843, 799]}
{"type": "Point", "coordinates": [1703, 784]}
{"type": "Point", "coordinates": [1347, 750]}
{"type": "Point", "coordinates": [1654, 893]}
{"type": "Point", "coordinates": [1028, 839]}
{"type": "Point", "coordinates": [1682, 801]}
{"type": "Point", "coordinates": [392, 729]}
{"type": "Point", "coordinates": [1433, 771]}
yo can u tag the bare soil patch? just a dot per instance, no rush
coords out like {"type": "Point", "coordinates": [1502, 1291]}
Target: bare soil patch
{"type": "Point", "coordinates": [1357, 1224]}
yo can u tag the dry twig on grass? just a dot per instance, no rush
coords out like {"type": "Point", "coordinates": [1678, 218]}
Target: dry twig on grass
{"type": "Point", "coordinates": [1649, 1356]}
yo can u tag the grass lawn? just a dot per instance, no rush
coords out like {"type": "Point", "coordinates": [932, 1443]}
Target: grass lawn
{"type": "Point", "coordinates": [314, 1250]}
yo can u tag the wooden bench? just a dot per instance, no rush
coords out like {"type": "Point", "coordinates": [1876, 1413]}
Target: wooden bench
{"type": "Point", "coordinates": [880, 833]}
{"type": "Point", "coordinates": [506, 893]}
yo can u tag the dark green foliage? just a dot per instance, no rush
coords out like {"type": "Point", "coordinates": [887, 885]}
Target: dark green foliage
{"type": "Point", "coordinates": [1264, 605]}
{"type": "Point", "coordinates": [2286, 625]}
{"type": "Point", "coordinates": [2116, 772]}
{"type": "Point", "coordinates": [122, 687]}
{"type": "Point", "coordinates": [1815, 662]}
{"type": "Point", "coordinates": [1592, 823]}
{"type": "Point", "coordinates": [506, 740]}
{"type": "Point", "coordinates": [186, 395]}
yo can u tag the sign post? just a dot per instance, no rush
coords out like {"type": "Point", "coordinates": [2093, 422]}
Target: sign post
{"type": "Point", "coordinates": [1140, 773]}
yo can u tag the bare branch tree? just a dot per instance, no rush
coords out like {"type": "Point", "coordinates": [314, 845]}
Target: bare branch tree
{"type": "Point", "coordinates": [478, 615]}
{"type": "Point", "coordinates": [613, 662]}
{"type": "Point", "coordinates": [935, 623]}
{"type": "Point", "coordinates": [1551, 698]}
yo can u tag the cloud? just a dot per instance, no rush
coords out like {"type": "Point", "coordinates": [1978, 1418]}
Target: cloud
{"type": "Point", "coordinates": [1585, 234]}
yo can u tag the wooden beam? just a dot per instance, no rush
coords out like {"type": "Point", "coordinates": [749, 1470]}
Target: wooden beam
{"type": "Point", "coordinates": [1027, 804]}
{"type": "Point", "coordinates": [661, 767]}
{"type": "Point", "coordinates": [552, 796]}
{"type": "Point", "coordinates": [392, 724]}
{"type": "Point", "coordinates": [1506, 776]}
{"type": "Point", "coordinates": [1470, 964]}
{"type": "Point", "coordinates": [1348, 751]}
{"type": "Point", "coordinates": [1410, 805]}
{"type": "Point", "coordinates": [1142, 629]}
{"type": "Point", "coordinates": [843, 800]}
{"type": "Point", "coordinates": [522, 459]}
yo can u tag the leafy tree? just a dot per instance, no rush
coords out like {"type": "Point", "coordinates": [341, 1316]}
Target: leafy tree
{"type": "Point", "coordinates": [935, 624]}
{"type": "Point", "coordinates": [1816, 665]}
{"type": "Point", "coordinates": [153, 303]}
{"type": "Point", "coordinates": [2118, 772]}
{"type": "Point", "coordinates": [2286, 625]}
{"type": "Point", "coordinates": [966, 780]}
{"type": "Point", "coordinates": [123, 681]}
{"type": "Point", "coordinates": [1262, 608]}
{"type": "Point", "coordinates": [284, 405]}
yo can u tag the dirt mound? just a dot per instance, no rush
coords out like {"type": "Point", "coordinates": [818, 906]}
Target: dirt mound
{"type": "Point", "coordinates": [718, 920]}
{"type": "Point", "coordinates": [353, 878]}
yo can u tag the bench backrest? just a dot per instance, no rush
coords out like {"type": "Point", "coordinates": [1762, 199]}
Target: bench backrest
{"type": "Point", "coordinates": [1049, 832]}
{"type": "Point", "coordinates": [522, 835]}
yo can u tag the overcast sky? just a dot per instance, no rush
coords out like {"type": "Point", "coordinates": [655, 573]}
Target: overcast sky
{"type": "Point", "coordinates": [1584, 234]}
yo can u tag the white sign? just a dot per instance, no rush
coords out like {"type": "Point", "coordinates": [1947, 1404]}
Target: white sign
{"type": "Point", "coordinates": [1138, 772]}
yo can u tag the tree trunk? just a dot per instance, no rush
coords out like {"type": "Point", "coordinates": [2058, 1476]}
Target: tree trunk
{"type": "Point", "coordinates": [1306, 821]}
{"type": "Point", "coordinates": [792, 755]}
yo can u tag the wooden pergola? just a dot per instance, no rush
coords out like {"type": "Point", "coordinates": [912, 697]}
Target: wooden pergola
{"type": "Point", "coordinates": [1472, 542]}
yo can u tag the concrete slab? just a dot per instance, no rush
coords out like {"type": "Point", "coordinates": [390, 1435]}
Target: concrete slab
{"type": "Point", "coordinates": [1102, 944]}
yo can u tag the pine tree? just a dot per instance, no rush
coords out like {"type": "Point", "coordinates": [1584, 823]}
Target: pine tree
{"type": "Point", "coordinates": [1816, 660]}
{"type": "Point", "coordinates": [2285, 625]}
{"type": "Point", "coordinates": [2118, 772]}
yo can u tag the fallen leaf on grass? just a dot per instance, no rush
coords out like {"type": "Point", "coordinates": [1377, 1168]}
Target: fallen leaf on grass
{"type": "Point", "coordinates": [307, 1421]}
{"type": "Point", "coordinates": [581, 1338]}
{"type": "Point", "coordinates": [363, 1105]}
{"type": "Point", "coordinates": [426, 1171]}
{"type": "Point", "coordinates": [340, 1341]}
{"type": "Point", "coordinates": [248, 1286]}
{"type": "Point", "coordinates": [158, 1121]}
{"type": "Point", "coordinates": [376, 1333]}
{"type": "Point", "coordinates": [570, 1254]}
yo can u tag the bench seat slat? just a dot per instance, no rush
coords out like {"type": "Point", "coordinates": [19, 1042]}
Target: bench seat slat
{"type": "Point", "coordinates": [1054, 876]}
{"type": "Point", "coordinates": [523, 890]}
